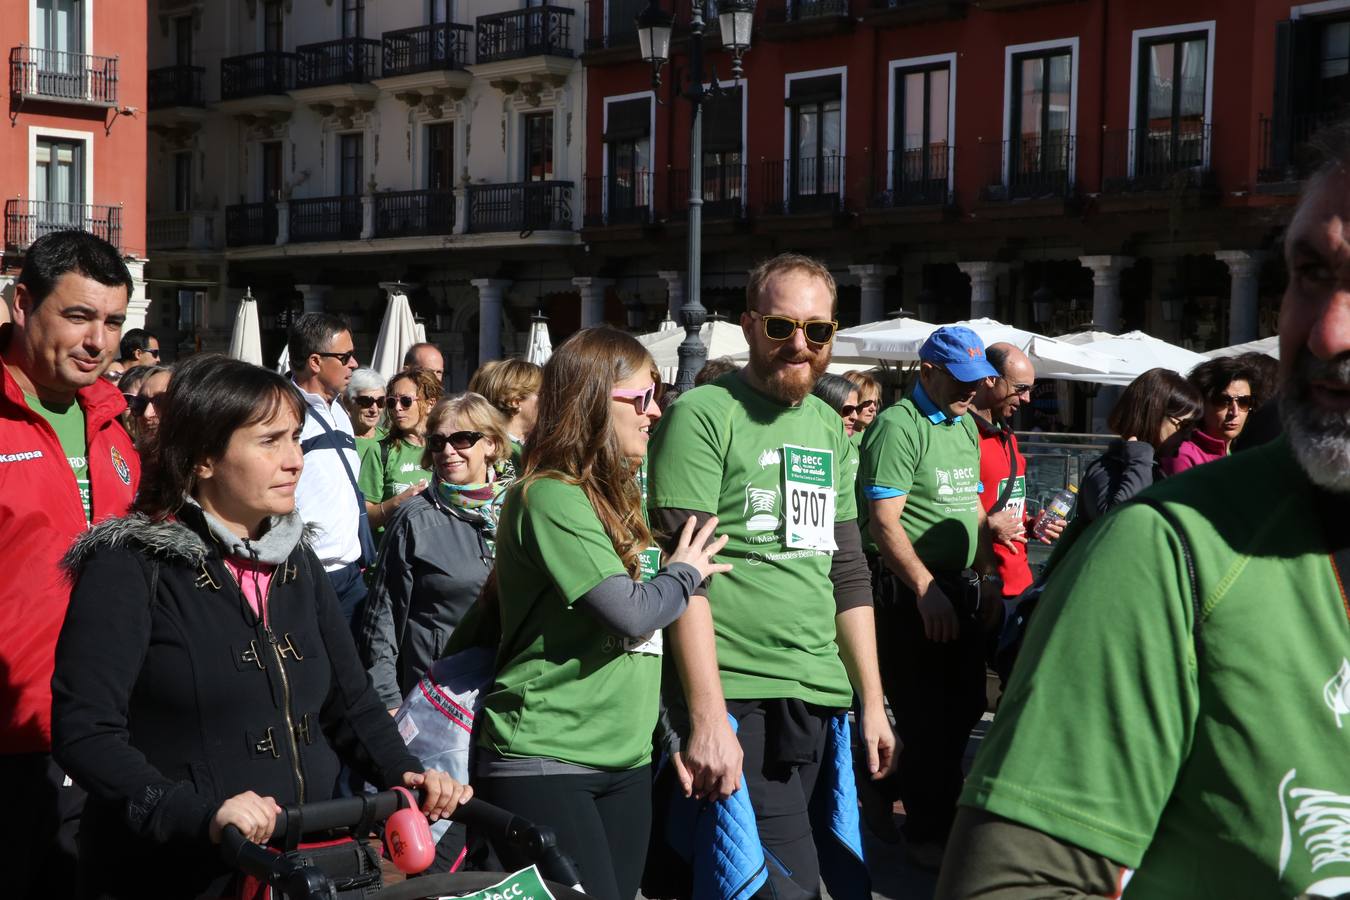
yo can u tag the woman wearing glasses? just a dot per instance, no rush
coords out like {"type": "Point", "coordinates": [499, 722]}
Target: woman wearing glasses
{"type": "Point", "coordinates": [393, 473]}
{"type": "Point", "coordinates": [1153, 416]}
{"type": "Point", "coordinates": [438, 547]}
{"type": "Point", "coordinates": [142, 388]}
{"type": "Point", "coordinates": [1232, 388]}
{"type": "Point", "coordinates": [869, 400]}
{"type": "Point", "coordinates": [364, 399]}
{"type": "Point", "coordinates": [566, 728]}
{"type": "Point", "coordinates": [842, 396]}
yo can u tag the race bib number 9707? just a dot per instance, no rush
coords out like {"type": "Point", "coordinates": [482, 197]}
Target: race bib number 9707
{"type": "Point", "coordinates": [808, 489]}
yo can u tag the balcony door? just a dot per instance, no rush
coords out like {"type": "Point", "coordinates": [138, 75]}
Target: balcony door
{"type": "Point", "coordinates": [723, 154]}
{"type": "Point", "coordinates": [815, 169]}
{"type": "Point", "coordinates": [441, 157]}
{"type": "Point", "coordinates": [1041, 147]}
{"type": "Point", "coordinates": [182, 40]}
{"type": "Point", "coordinates": [439, 12]}
{"type": "Point", "coordinates": [182, 181]}
{"type": "Point", "coordinates": [274, 34]}
{"type": "Point", "coordinates": [58, 41]}
{"type": "Point", "coordinates": [353, 18]}
{"type": "Point", "coordinates": [920, 156]}
{"type": "Point", "coordinates": [538, 129]}
{"type": "Point", "coordinates": [628, 149]}
{"type": "Point", "coordinates": [271, 171]}
{"type": "Point", "coordinates": [59, 187]}
{"type": "Point", "coordinates": [1171, 131]}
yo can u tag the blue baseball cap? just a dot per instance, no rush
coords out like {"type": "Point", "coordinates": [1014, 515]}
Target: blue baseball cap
{"type": "Point", "coordinates": [958, 350]}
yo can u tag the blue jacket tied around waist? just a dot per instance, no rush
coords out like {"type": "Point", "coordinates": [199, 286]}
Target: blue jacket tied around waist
{"type": "Point", "coordinates": [720, 840]}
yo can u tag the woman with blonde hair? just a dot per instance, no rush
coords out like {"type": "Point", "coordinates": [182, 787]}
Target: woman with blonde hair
{"type": "Point", "coordinates": [566, 727]}
{"type": "Point", "coordinates": [869, 400]}
{"type": "Point", "coordinates": [438, 547]}
{"type": "Point", "coordinates": [511, 385]}
{"type": "Point", "coordinates": [394, 472]}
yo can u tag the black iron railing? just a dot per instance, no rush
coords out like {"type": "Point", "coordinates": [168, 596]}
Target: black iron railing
{"type": "Point", "coordinates": [916, 177]}
{"type": "Point", "coordinates": [1155, 159]}
{"type": "Point", "coordinates": [1284, 151]}
{"type": "Point", "coordinates": [426, 48]}
{"type": "Point", "coordinates": [175, 86]}
{"type": "Point", "coordinates": [249, 224]}
{"type": "Point", "coordinates": [28, 220]}
{"type": "Point", "coordinates": [257, 74]}
{"type": "Point", "coordinates": [624, 198]}
{"type": "Point", "coordinates": [803, 184]}
{"type": "Point", "coordinates": [58, 75]}
{"type": "Point", "coordinates": [802, 10]}
{"type": "Point", "coordinates": [539, 30]}
{"type": "Point", "coordinates": [409, 213]}
{"type": "Point", "coordinates": [344, 61]}
{"type": "Point", "coordinates": [1029, 167]}
{"type": "Point", "coordinates": [325, 219]}
{"type": "Point", "coordinates": [524, 207]}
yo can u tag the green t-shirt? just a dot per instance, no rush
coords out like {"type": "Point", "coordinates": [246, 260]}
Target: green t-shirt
{"type": "Point", "coordinates": [401, 471]}
{"type": "Point", "coordinates": [720, 450]}
{"type": "Point", "coordinates": [1217, 772]}
{"type": "Point", "coordinates": [937, 467]}
{"type": "Point", "coordinates": [567, 689]}
{"type": "Point", "coordinates": [67, 420]}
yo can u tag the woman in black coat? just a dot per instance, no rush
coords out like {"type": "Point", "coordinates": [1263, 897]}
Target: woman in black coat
{"type": "Point", "coordinates": [1153, 416]}
{"type": "Point", "coordinates": [204, 673]}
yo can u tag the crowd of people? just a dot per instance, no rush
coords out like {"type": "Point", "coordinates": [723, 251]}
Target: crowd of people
{"type": "Point", "coordinates": [729, 629]}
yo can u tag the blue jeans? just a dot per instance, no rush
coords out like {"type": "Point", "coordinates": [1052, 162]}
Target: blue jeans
{"type": "Point", "coordinates": [350, 588]}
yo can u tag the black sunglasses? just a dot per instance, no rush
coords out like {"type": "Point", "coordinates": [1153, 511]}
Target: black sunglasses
{"type": "Point", "coordinates": [460, 440]}
{"type": "Point", "coordinates": [153, 351]}
{"type": "Point", "coordinates": [343, 357]}
{"type": "Point", "coordinates": [1243, 402]}
{"type": "Point", "coordinates": [139, 403]}
{"type": "Point", "coordinates": [781, 328]}
{"type": "Point", "coordinates": [366, 402]}
{"type": "Point", "coordinates": [849, 409]}
{"type": "Point", "coordinates": [405, 401]}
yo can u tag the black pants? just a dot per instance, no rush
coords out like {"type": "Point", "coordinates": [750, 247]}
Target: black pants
{"type": "Point", "coordinates": [39, 831]}
{"type": "Point", "coordinates": [781, 795]}
{"type": "Point", "coordinates": [602, 821]}
{"type": "Point", "coordinates": [937, 695]}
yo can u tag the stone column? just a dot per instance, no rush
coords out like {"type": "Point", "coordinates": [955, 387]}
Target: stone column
{"type": "Point", "coordinates": [139, 304]}
{"type": "Point", "coordinates": [1106, 289]}
{"type": "Point", "coordinates": [873, 281]}
{"type": "Point", "coordinates": [592, 299]}
{"type": "Point", "coordinates": [983, 294]}
{"type": "Point", "coordinates": [312, 295]}
{"type": "Point", "coordinates": [283, 222]}
{"type": "Point", "coordinates": [367, 216]}
{"type": "Point", "coordinates": [1244, 268]}
{"type": "Point", "coordinates": [491, 295]}
{"type": "Point", "coordinates": [675, 292]}
{"type": "Point", "coordinates": [461, 207]}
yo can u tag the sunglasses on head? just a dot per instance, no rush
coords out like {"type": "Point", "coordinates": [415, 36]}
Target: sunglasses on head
{"type": "Point", "coordinates": [644, 395]}
{"type": "Point", "coordinates": [366, 402]}
{"type": "Point", "coordinates": [393, 401]}
{"type": "Point", "coordinates": [781, 328]}
{"type": "Point", "coordinates": [1223, 401]}
{"type": "Point", "coordinates": [141, 402]}
{"type": "Point", "coordinates": [460, 440]}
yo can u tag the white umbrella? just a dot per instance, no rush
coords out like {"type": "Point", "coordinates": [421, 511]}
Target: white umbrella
{"type": "Point", "coordinates": [246, 339]}
{"type": "Point", "coordinates": [720, 338]}
{"type": "Point", "coordinates": [1136, 351]}
{"type": "Point", "coordinates": [903, 340]}
{"type": "Point", "coordinates": [1269, 346]}
{"type": "Point", "coordinates": [667, 324]}
{"type": "Point", "coordinates": [540, 347]}
{"type": "Point", "coordinates": [284, 361]}
{"type": "Point", "coordinates": [398, 332]}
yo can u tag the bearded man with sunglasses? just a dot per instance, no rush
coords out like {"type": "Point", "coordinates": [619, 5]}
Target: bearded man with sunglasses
{"type": "Point", "coordinates": [783, 640]}
{"type": "Point", "coordinates": [322, 361]}
{"type": "Point", "coordinates": [919, 485]}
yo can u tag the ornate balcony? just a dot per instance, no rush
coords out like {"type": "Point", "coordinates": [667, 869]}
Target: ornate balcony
{"type": "Point", "coordinates": [344, 61]}
{"type": "Point", "coordinates": [28, 220]}
{"type": "Point", "coordinates": [175, 86]}
{"type": "Point", "coordinates": [325, 219]}
{"type": "Point", "coordinates": [413, 213]}
{"type": "Point", "coordinates": [537, 31]}
{"type": "Point", "coordinates": [61, 77]}
{"type": "Point", "coordinates": [524, 207]}
{"type": "Point", "coordinates": [257, 83]}
{"type": "Point", "coordinates": [426, 63]}
{"type": "Point", "coordinates": [194, 230]}
{"type": "Point", "coordinates": [251, 224]}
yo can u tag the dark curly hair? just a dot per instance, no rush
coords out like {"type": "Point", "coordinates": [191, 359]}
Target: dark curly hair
{"type": "Point", "coordinates": [1213, 376]}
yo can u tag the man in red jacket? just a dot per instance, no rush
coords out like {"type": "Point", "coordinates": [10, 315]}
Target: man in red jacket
{"type": "Point", "coordinates": [65, 462]}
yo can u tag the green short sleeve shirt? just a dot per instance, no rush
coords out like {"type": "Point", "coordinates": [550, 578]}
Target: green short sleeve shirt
{"type": "Point", "coordinates": [937, 468]}
{"type": "Point", "coordinates": [67, 420]}
{"type": "Point", "coordinates": [399, 472]}
{"type": "Point", "coordinates": [720, 450]}
{"type": "Point", "coordinates": [567, 689]}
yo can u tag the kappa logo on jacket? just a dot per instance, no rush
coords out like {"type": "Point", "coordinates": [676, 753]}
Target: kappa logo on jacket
{"type": "Point", "coordinates": [120, 466]}
{"type": "Point", "coordinates": [22, 456]}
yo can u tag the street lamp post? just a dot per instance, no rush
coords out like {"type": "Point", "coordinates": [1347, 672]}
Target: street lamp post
{"type": "Point", "coordinates": [654, 27]}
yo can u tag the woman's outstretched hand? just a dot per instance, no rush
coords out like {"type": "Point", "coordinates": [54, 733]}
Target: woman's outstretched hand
{"type": "Point", "coordinates": [695, 550]}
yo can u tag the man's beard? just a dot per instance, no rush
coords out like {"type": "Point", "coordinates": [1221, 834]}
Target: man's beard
{"type": "Point", "coordinates": [1320, 439]}
{"type": "Point", "coordinates": [790, 386]}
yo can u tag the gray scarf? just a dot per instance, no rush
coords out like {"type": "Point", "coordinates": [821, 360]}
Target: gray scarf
{"type": "Point", "coordinates": [273, 548]}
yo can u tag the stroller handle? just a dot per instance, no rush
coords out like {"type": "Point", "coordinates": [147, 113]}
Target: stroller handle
{"type": "Point", "coordinates": [344, 813]}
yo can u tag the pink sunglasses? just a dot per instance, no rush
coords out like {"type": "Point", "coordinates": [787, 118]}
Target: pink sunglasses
{"type": "Point", "coordinates": [646, 395]}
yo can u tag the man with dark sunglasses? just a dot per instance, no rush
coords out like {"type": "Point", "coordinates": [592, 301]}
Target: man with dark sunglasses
{"type": "Point", "coordinates": [784, 640]}
{"type": "Point", "coordinates": [138, 347]}
{"type": "Point", "coordinates": [919, 486]}
{"type": "Point", "coordinates": [323, 358]}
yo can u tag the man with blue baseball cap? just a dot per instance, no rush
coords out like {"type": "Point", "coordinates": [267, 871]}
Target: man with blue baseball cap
{"type": "Point", "coordinates": [919, 505]}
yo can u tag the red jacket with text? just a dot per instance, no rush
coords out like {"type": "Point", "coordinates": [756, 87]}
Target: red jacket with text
{"type": "Point", "coordinates": [995, 468]}
{"type": "Point", "coordinates": [41, 513]}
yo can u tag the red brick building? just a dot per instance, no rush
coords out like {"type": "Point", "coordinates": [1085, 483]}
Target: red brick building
{"type": "Point", "coordinates": [73, 154]}
{"type": "Point", "coordinates": [1129, 163]}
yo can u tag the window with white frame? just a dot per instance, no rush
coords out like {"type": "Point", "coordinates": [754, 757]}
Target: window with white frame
{"type": "Point", "coordinates": [815, 141]}
{"type": "Point", "coordinates": [58, 180]}
{"type": "Point", "coordinates": [537, 128]}
{"type": "Point", "coordinates": [351, 164]}
{"type": "Point", "coordinates": [921, 153]}
{"type": "Point", "coordinates": [1039, 154]}
{"type": "Point", "coordinates": [724, 151]}
{"type": "Point", "coordinates": [1170, 130]}
{"type": "Point", "coordinates": [628, 158]}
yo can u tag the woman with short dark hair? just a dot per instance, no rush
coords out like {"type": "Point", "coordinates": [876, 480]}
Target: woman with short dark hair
{"type": "Point", "coordinates": [1154, 414]}
{"type": "Point", "coordinates": [842, 396]}
{"type": "Point", "coordinates": [1232, 387]}
{"type": "Point", "coordinates": [204, 673]}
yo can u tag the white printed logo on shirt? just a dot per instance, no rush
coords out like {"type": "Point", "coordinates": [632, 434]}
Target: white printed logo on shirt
{"type": "Point", "coordinates": [1336, 692]}
{"type": "Point", "coordinates": [1321, 819]}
